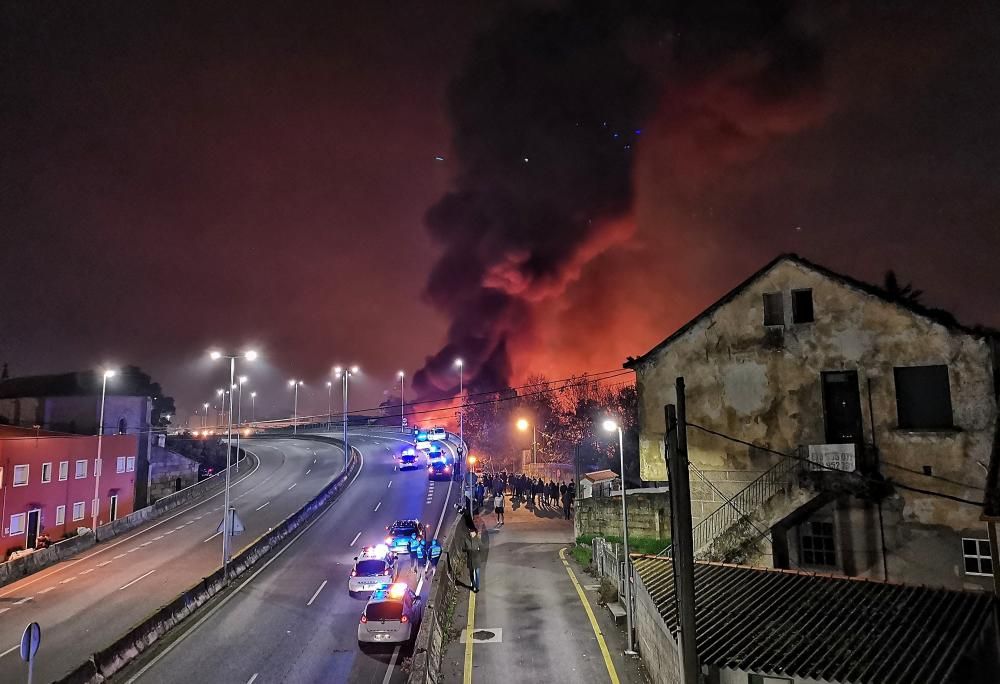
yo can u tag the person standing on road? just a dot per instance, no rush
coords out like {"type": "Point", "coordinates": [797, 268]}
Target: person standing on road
{"type": "Point", "coordinates": [419, 554]}
{"type": "Point", "coordinates": [567, 501]}
{"type": "Point", "coordinates": [498, 508]}
{"type": "Point", "coordinates": [433, 556]}
{"type": "Point", "coordinates": [473, 554]}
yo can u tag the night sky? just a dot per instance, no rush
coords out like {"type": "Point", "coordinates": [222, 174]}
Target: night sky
{"type": "Point", "coordinates": [175, 178]}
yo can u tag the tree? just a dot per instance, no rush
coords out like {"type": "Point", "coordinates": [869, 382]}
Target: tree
{"type": "Point", "coordinates": [902, 293]}
{"type": "Point", "coordinates": [133, 380]}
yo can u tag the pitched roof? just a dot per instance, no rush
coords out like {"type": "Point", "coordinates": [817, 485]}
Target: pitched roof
{"type": "Point", "coordinates": [824, 627]}
{"type": "Point", "coordinates": [600, 475]}
{"type": "Point", "coordinates": [939, 316]}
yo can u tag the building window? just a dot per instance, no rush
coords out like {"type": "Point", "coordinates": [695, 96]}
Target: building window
{"type": "Point", "coordinates": [60, 515]}
{"type": "Point", "coordinates": [774, 309]}
{"type": "Point", "coordinates": [130, 464]}
{"type": "Point", "coordinates": [923, 398]}
{"type": "Point", "coordinates": [78, 510]}
{"type": "Point", "coordinates": [17, 524]}
{"type": "Point", "coordinates": [122, 426]}
{"type": "Point", "coordinates": [46, 472]}
{"type": "Point", "coordinates": [816, 543]}
{"type": "Point", "coordinates": [120, 465]}
{"type": "Point", "coordinates": [20, 475]}
{"type": "Point", "coordinates": [63, 470]}
{"type": "Point", "coordinates": [81, 469]}
{"type": "Point", "coordinates": [977, 557]}
{"type": "Point", "coordinates": [802, 306]}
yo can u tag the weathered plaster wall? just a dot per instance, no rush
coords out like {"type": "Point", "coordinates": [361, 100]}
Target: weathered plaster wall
{"type": "Point", "coordinates": [648, 516]}
{"type": "Point", "coordinates": [763, 385]}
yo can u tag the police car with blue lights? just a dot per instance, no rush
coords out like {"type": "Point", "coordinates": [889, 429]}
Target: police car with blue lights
{"type": "Point", "coordinates": [439, 465]}
{"type": "Point", "coordinates": [408, 459]}
{"type": "Point", "coordinates": [401, 533]}
{"type": "Point", "coordinates": [392, 616]}
{"type": "Point", "coordinates": [422, 440]}
{"type": "Point", "coordinates": [437, 434]}
{"type": "Point", "coordinates": [374, 567]}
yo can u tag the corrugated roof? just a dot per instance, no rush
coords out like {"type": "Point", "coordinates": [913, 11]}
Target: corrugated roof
{"type": "Point", "coordinates": [824, 627]}
{"type": "Point", "coordinates": [600, 475]}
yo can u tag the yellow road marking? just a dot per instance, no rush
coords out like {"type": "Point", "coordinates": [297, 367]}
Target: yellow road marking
{"type": "Point", "coordinates": [469, 627]}
{"type": "Point", "coordinates": [593, 623]}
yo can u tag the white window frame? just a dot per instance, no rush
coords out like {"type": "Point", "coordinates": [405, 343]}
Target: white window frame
{"type": "Point", "coordinates": [63, 471]}
{"type": "Point", "coordinates": [120, 465]}
{"type": "Point", "coordinates": [130, 464]}
{"type": "Point", "coordinates": [27, 475]}
{"type": "Point", "coordinates": [78, 476]}
{"type": "Point", "coordinates": [46, 477]}
{"type": "Point", "coordinates": [60, 515]}
{"type": "Point", "coordinates": [22, 519]}
{"type": "Point", "coordinates": [83, 510]}
{"type": "Point", "coordinates": [978, 556]}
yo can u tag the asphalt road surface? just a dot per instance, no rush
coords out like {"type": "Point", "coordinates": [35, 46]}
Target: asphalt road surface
{"type": "Point", "coordinates": [85, 603]}
{"type": "Point", "coordinates": [295, 621]}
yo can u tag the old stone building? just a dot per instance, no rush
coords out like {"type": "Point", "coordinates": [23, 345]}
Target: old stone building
{"type": "Point", "coordinates": [850, 430]}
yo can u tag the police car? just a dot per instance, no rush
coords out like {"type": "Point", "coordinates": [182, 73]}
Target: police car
{"type": "Point", "coordinates": [423, 442]}
{"type": "Point", "coordinates": [437, 434]}
{"type": "Point", "coordinates": [392, 616]}
{"type": "Point", "coordinates": [408, 458]}
{"type": "Point", "coordinates": [401, 533]}
{"type": "Point", "coordinates": [374, 567]}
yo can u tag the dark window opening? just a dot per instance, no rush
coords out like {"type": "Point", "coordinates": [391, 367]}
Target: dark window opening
{"type": "Point", "coordinates": [976, 553]}
{"type": "Point", "coordinates": [774, 309]}
{"type": "Point", "coordinates": [802, 306]}
{"type": "Point", "coordinates": [816, 542]}
{"type": "Point", "coordinates": [923, 398]}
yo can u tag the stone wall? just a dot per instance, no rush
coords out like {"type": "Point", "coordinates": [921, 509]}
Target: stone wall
{"type": "Point", "coordinates": [648, 515]}
{"type": "Point", "coordinates": [169, 472]}
{"type": "Point", "coordinates": [656, 646]}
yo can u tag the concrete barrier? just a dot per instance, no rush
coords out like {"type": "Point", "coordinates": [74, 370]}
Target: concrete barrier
{"type": "Point", "coordinates": [13, 570]}
{"type": "Point", "coordinates": [110, 660]}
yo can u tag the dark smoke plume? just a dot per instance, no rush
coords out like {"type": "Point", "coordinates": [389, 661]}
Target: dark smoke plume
{"type": "Point", "coordinates": [548, 114]}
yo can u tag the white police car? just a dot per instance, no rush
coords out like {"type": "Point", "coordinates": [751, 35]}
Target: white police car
{"type": "Point", "coordinates": [392, 616]}
{"type": "Point", "coordinates": [375, 567]}
{"type": "Point", "coordinates": [408, 459]}
{"type": "Point", "coordinates": [402, 533]}
{"type": "Point", "coordinates": [437, 434]}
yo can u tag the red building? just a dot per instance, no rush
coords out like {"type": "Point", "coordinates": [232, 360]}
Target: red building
{"type": "Point", "coordinates": [47, 483]}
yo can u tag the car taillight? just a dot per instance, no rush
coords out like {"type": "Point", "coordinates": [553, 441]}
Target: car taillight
{"type": "Point", "coordinates": [364, 618]}
{"type": "Point", "coordinates": [385, 572]}
{"type": "Point", "coordinates": [354, 573]}
{"type": "Point", "coordinates": [388, 540]}
{"type": "Point", "coordinates": [404, 619]}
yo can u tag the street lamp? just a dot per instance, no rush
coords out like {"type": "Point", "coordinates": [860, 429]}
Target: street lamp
{"type": "Point", "coordinates": [344, 374]}
{"type": "Point", "coordinates": [523, 425]}
{"type": "Point", "coordinates": [228, 516]}
{"type": "Point", "coordinates": [222, 411]}
{"type": "Point", "coordinates": [204, 418]}
{"type": "Point", "coordinates": [611, 426]}
{"type": "Point", "coordinates": [96, 504]}
{"type": "Point", "coordinates": [329, 398]}
{"type": "Point", "coordinates": [461, 399]}
{"type": "Point", "coordinates": [402, 402]}
{"type": "Point", "coordinates": [239, 414]}
{"type": "Point", "coordinates": [253, 408]}
{"type": "Point", "coordinates": [295, 409]}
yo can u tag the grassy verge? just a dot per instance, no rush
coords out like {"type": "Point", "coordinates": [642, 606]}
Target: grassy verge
{"type": "Point", "coordinates": [582, 555]}
{"type": "Point", "coordinates": [650, 545]}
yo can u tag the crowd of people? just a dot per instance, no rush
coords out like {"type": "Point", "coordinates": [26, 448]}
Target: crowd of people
{"type": "Point", "coordinates": [495, 488]}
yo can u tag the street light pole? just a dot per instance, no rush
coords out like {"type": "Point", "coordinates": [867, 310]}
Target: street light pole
{"type": "Point", "coordinates": [612, 426]}
{"type": "Point", "coordinates": [461, 399]}
{"type": "Point", "coordinates": [96, 503]}
{"type": "Point", "coordinates": [253, 408]}
{"type": "Point", "coordinates": [239, 418]}
{"type": "Point", "coordinates": [329, 393]}
{"type": "Point", "coordinates": [344, 374]}
{"type": "Point", "coordinates": [295, 407]}
{"type": "Point", "coordinates": [402, 402]}
{"type": "Point", "coordinates": [204, 418]}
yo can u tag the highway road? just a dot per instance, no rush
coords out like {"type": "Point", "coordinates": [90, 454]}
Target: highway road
{"type": "Point", "coordinates": [294, 621]}
{"type": "Point", "coordinates": [85, 603]}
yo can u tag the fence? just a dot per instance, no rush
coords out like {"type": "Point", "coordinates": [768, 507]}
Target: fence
{"type": "Point", "coordinates": [610, 561]}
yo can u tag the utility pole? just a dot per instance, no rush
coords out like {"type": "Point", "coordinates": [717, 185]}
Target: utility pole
{"type": "Point", "coordinates": [683, 551]}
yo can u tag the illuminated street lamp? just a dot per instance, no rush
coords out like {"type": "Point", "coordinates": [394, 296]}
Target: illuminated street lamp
{"type": "Point", "coordinates": [402, 402]}
{"type": "Point", "coordinates": [612, 426]}
{"type": "Point", "coordinates": [204, 418]}
{"type": "Point", "coordinates": [523, 425]}
{"type": "Point", "coordinates": [229, 516]}
{"type": "Point", "coordinates": [344, 374]}
{"type": "Point", "coordinates": [461, 391]}
{"type": "Point", "coordinates": [329, 397]}
{"type": "Point", "coordinates": [295, 409]}
{"type": "Point", "coordinates": [253, 408]}
{"type": "Point", "coordinates": [96, 503]}
{"type": "Point", "coordinates": [239, 413]}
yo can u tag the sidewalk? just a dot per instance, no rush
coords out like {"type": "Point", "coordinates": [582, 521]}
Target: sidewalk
{"type": "Point", "coordinates": [529, 623]}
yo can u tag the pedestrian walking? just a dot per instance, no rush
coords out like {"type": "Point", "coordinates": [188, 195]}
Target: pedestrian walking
{"type": "Point", "coordinates": [419, 554]}
{"type": "Point", "coordinates": [498, 508]}
{"type": "Point", "coordinates": [433, 556]}
{"type": "Point", "coordinates": [566, 504]}
{"type": "Point", "coordinates": [473, 554]}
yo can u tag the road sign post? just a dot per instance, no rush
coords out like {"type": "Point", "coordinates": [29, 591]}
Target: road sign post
{"type": "Point", "coordinates": [30, 641]}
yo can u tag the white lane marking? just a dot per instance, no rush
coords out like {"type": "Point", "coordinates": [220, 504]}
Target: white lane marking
{"type": "Point", "coordinates": [120, 555]}
{"type": "Point", "coordinates": [293, 486]}
{"type": "Point", "coordinates": [179, 527]}
{"type": "Point", "coordinates": [48, 589]}
{"type": "Point", "coordinates": [134, 548]}
{"type": "Point", "coordinates": [390, 484]}
{"type": "Point", "coordinates": [353, 541]}
{"type": "Point", "coordinates": [67, 580]}
{"type": "Point", "coordinates": [23, 601]}
{"type": "Point", "coordinates": [253, 679]}
{"type": "Point", "coordinates": [309, 471]}
{"type": "Point", "coordinates": [10, 650]}
{"type": "Point", "coordinates": [158, 538]}
{"type": "Point", "coordinates": [314, 461]}
{"type": "Point", "coordinates": [87, 572]}
{"type": "Point", "coordinates": [145, 544]}
{"type": "Point", "coordinates": [3, 610]}
{"type": "Point", "coordinates": [101, 565]}
{"type": "Point", "coordinates": [142, 577]}
{"type": "Point", "coordinates": [168, 532]}
{"type": "Point", "coordinates": [377, 505]}
{"type": "Point", "coordinates": [317, 593]}
{"type": "Point", "coordinates": [152, 663]}
{"type": "Point", "coordinates": [212, 537]}
{"type": "Point", "coordinates": [263, 505]}
{"type": "Point", "coordinates": [392, 664]}
{"type": "Point", "coordinates": [63, 566]}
